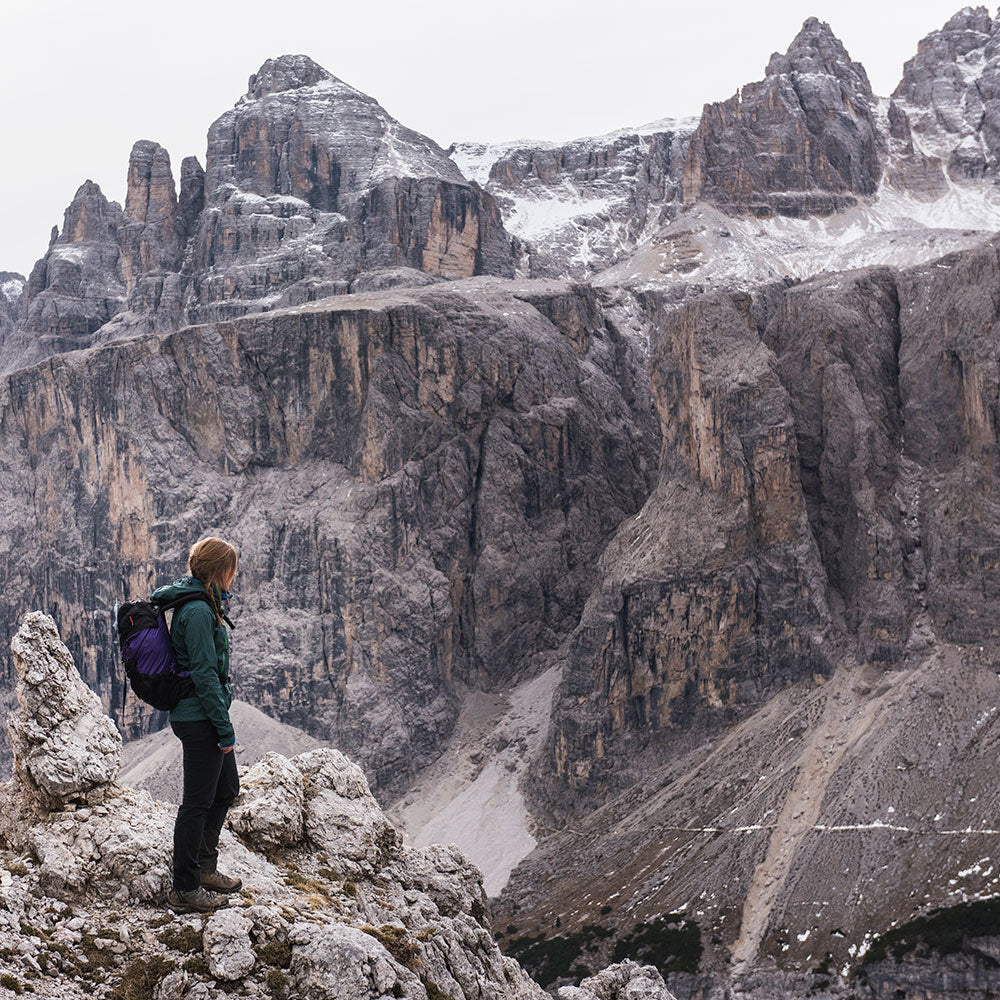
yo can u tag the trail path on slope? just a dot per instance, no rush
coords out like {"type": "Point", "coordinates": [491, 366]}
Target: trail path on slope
{"type": "Point", "coordinates": [847, 717]}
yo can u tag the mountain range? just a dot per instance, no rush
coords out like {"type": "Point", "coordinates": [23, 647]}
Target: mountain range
{"type": "Point", "coordinates": [627, 507]}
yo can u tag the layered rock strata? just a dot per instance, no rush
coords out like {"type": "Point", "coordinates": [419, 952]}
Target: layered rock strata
{"type": "Point", "coordinates": [308, 184]}
{"type": "Point", "coordinates": [578, 207]}
{"type": "Point", "coordinates": [945, 108]}
{"type": "Point", "coordinates": [11, 289]}
{"type": "Point", "coordinates": [824, 522]}
{"type": "Point", "coordinates": [802, 141]}
{"type": "Point", "coordinates": [419, 483]}
{"type": "Point", "coordinates": [76, 287]}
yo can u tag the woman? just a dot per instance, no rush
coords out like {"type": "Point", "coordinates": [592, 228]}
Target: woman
{"type": "Point", "coordinates": [201, 722]}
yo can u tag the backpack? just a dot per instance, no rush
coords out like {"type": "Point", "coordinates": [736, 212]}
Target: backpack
{"type": "Point", "coordinates": [148, 653]}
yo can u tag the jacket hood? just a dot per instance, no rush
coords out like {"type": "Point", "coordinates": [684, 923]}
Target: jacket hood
{"type": "Point", "coordinates": [185, 585]}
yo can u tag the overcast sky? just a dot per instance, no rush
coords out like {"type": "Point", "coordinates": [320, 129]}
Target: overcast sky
{"type": "Point", "coordinates": [80, 82]}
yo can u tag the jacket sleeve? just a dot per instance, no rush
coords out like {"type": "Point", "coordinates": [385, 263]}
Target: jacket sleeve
{"type": "Point", "coordinates": [203, 664]}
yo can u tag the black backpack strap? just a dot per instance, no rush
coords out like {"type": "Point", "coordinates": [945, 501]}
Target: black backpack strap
{"type": "Point", "coordinates": [195, 596]}
{"type": "Point", "coordinates": [183, 599]}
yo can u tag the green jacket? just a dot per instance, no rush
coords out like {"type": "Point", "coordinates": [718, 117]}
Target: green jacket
{"type": "Point", "coordinates": [201, 645]}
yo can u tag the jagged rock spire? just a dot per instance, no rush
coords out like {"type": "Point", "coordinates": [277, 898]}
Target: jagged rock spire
{"type": "Point", "coordinates": [289, 72]}
{"type": "Point", "coordinates": [802, 141]}
{"type": "Point", "coordinates": [816, 49]}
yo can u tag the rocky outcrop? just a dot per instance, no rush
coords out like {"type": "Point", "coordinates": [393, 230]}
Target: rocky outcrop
{"type": "Point", "coordinates": [419, 482]}
{"type": "Point", "coordinates": [152, 239]}
{"type": "Point", "coordinates": [76, 287]}
{"type": "Point", "coordinates": [63, 743]}
{"type": "Point", "coordinates": [384, 920]}
{"type": "Point", "coordinates": [11, 288]}
{"type": "Point", "coordinates": [626, 981]}
{"type": "Point", "coordinates": [579, 207]}
{"type": "Point", "coordinates": [945, 107]}
{"type": "Point", "coordinates": [309, 183]}
{"type": "Point", "coordinates": [802, 141]}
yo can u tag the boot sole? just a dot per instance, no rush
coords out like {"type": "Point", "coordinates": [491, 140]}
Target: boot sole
{"type": "Point", "coordinates": [182, 907]}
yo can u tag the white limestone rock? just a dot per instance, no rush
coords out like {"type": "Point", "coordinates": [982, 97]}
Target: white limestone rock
{"type": "Point", "coordinates": [123, 853]}
{"type": "Point", "coordinates": [341, 814]}
{"type": "Point", "coordinates": [64, 745]}
{"type": "Point", "coordinates": [345, 963]}
{"type": "Point", "coordinates": [344, 911]}
{"type": "Point", "coordinates": [227, 944]}
{"type": "Point", "coordinates": [625, 981]}
{"type": "Point", "coordinates": [268, 811]}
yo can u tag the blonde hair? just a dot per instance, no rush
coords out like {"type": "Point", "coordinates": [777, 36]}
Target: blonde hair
{"type": "Point", "coordinates": [211, 560]}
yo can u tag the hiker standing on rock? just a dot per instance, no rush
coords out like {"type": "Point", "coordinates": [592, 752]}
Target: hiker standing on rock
{"type": "Point", "coordinates": [201, 722]}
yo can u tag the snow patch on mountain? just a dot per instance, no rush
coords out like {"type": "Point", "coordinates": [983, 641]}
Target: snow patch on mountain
{"type": "Point", "coordinates": [704, 247]}
{"type": "Point", "coordinates": [11, 289]}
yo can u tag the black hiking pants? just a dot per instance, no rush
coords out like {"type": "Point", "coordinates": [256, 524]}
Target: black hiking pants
{"type": "Point", "coordinates": [211, 784]}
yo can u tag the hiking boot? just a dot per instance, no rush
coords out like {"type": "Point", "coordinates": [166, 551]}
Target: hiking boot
{"type": "Point", "coordinates": [218, 882]}
{"type": "Point", "coordinates": [195, 901]}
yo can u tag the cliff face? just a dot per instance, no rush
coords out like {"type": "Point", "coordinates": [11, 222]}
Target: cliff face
{"type": "Point", "coordinates": [11, 289]}
{"type": "Point", "coordinates": [839, 438]}
{"type": "Point", "coordinates": [419, 485]}
{"type": "Point", "coordinates": [802, 141]}
{"type": "Point", "coordinates": [789, 664]}
{"type": "Point", "coordinates": [580, 206]}
{"type": "Point", "coordinates": [946, 103]}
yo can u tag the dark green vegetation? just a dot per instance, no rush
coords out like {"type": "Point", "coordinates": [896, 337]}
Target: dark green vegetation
{"type": "Point", "coordinates": [549, 959]}
{"type": "Point", "coordinates": [275, 952]}
{"type": "Point", "coordinates": [184, 938]}
{"type": "Point", "coordinates": [672, 943]}
{"type": "Point", "coordinates": [396, 941]}
{"type": "Point", "coordinates": [277, 984]}
{"type": "Point", "coordinates": [943, 931]}
{"type": "Point", "coordinates": [141, 978]}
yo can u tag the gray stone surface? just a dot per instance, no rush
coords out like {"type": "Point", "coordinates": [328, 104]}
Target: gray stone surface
{"type": "Point", "coordinates": [308, 184]}
{"type": "Point", "coordinates": [87, 892]}
{"type": "Point", "coordinates": [949, 97]}
{"type": "Point", "coordinates": [625, 981]}
{"type": "Point", "coordinates": [578, 207]}
{"type": "Point", "coordinates": [11, 289]}
{"type": "Point", "coordinates": [419, 483]}
{"type": "Point", "coordinates": [269, 811]}
{"type": "Point", "coordinates": [63, 744]}
{"type": "Point", "coordinates": [227, 945]}
{"type": "Point", "coordinates": [801, 141]}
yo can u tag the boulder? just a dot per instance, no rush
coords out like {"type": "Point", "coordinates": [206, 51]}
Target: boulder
{"type": "Point", "coordinates": [268, 812]}
{"type": "Point", "coordinates": [227, 944]}
{"type": "Point", "coordinates": [625, 981]}
{"type": "Point", "coordinates": [64, 745]}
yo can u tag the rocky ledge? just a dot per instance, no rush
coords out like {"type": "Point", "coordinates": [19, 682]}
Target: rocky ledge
{"type": "Point", "coordinates": [334, 906]}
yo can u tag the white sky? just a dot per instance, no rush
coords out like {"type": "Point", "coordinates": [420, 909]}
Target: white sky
{"type": "Point", "coordinates": [80, 82]}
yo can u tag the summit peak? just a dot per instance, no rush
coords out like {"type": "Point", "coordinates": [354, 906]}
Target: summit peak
{"type": "Point", "coordinates": [287, 72]}
{"type": "Point", "coordinates": [816, 49]}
